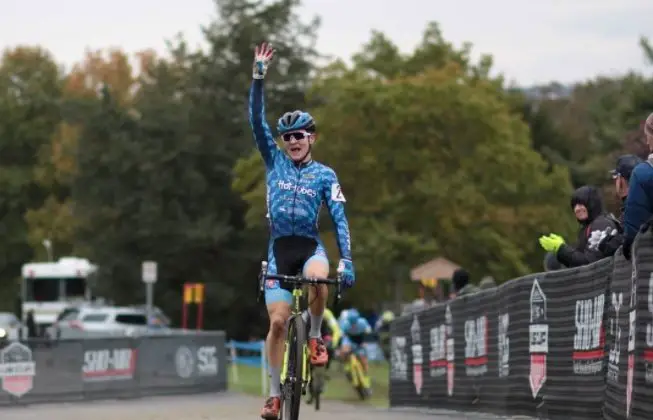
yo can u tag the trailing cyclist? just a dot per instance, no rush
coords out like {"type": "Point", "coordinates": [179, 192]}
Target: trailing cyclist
{"type": "Point", "coordinates": [297, 187]}
{"type": "Point", "coordinates": [354, 329]}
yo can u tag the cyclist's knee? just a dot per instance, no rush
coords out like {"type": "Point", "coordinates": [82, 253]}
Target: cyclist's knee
{"type": "Point", "coordinates": [317, 266]}
{"type": "Point", "coordinates": [279, 315]}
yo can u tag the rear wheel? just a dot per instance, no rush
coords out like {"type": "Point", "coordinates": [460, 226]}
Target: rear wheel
{"type": "Point", "coordinates": [292, 388]}
{"type": "Point", "coordinates": [317, 386]}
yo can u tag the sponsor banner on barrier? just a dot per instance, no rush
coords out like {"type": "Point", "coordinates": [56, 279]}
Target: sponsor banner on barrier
{"type": "Point", "coordinates": [17, 369]}
{"type": "Point", "coordinates": [618, 373]}
{"type": "Point", "coordinates": [109, 364]}
{"type": "Point", "coordinates": [574, 343]}
{"type": "Point", "coordinates": [170, 362]}
{"type": "Point", "coordinates": [538, 333]}
{"type": "Point", "coordinates": [200, 362]}
{"type": "Point", "coordinates": [70, 370]}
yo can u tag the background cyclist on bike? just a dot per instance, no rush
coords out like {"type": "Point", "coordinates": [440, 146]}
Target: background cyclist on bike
{"type": "Point", "coordinates": [297, 187]}
{"type": "Point", "coordinates": [354, 329]}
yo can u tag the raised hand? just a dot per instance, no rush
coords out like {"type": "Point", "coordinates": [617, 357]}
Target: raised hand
{"type": "Point", "coordinates": [262, 56]}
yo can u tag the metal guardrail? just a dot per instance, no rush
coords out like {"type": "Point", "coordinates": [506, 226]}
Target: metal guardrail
{"type": "Point", "coordinates": [69, 370]}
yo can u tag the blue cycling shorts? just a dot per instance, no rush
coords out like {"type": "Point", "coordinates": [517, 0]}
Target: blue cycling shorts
{"type": "Point", "coordinates": [355, 345]}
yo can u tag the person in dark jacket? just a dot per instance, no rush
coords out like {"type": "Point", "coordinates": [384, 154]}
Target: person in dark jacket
{"type": "Point", "coordinates": [639, 204]}
{"type": "Point", "coordinates": [595, 226]}
{"type": "Point", "coordinates": [461, 284]}
{"type": "Point", "coordinates": [621, 175]}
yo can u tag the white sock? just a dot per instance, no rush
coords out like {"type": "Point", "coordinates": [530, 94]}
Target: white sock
{"type": "Point", "coordinates": [275, 381]}
{"type": "Point", "coordinates": [316, 326]}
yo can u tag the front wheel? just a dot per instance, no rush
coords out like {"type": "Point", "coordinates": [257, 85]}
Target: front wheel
{"type": "Point", "coordinates": [317, 386]}
{"type": "Point", "coordinates": [292, 387]}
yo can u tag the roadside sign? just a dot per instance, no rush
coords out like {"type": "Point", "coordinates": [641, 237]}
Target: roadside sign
{"type": "Point", "coordinates": [149, 272]}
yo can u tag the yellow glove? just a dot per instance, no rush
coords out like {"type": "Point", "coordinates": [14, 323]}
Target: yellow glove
{"type": "Point", "coordinates": [552, 242]}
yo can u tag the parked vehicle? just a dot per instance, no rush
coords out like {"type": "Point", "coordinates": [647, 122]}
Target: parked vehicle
{"type": "Point", "coordinates": [10, 326]}
{"type": "Point", "coordinates": [48, 287]}
{"type": "Point", "coordinates": [101, 321]}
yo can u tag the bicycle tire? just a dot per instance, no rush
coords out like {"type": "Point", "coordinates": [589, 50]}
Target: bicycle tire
{"type": "Point", "coordinates": [360, 388]}
{"type": "Point", "coordinates": [293, 390]}
{"type": "Point", "coordinates": [317, 384]}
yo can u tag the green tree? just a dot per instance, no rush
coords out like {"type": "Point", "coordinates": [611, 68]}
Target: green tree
{"type": "Point", "coordinates": [30, 82]}
{"type": "Point", "coordinates": [162, 191]}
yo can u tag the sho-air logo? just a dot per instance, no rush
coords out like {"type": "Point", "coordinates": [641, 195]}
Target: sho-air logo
{"type": "Point", "coordinates": [538, 339]}
{"type": "Point", "coordinates": [648, 351]}
{"type": "Point", "coordinates": [438, 353]}
{"type": "Point", "coordinates": [632, 317]}
{"type": "Point", "coordinates": [615, 332]}
{"type": "Point", "coordinates": [450, 351]}
{"type": "Point", "coordinates": [416, 348]}
{"type": "Point", "coordinates": [476, 346]}
{"type": "Point", "coordinates": [589, 339]}
{"type": "Point", "coordinates": [503, 346]}
{"type": "Point", "coordinates": [289, 186]}
{"type": "Point", "coordinates": [399, 359]}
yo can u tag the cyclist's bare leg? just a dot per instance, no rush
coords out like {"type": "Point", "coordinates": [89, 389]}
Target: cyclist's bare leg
{"type": "Point", "coordinates": [363, 359]}
{"type": "Point", "coordinates": [344, 352]}
{"type": "Point", "coordinates": [279, 312]}
{"type": "Point", "coordinates": [317, 295]}
{"type": "Point", "coordinates": [318, 267]}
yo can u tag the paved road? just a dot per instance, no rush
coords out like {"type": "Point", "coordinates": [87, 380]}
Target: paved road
{"type": "Point", "coordinates": [205, 407]}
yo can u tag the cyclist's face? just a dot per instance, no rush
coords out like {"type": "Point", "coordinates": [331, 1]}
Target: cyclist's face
{"type": "Point", "coordinates": [297, 144]}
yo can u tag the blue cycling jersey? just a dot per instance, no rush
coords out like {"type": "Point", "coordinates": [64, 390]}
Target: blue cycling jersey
{"type": "Point", "coordinates": [296, 192]}
{"type": "Point", "coordinates": [357, 328]}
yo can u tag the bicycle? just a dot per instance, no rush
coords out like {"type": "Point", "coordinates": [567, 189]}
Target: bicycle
{"type": "Point", "coordinates": [357, 376]}
{"type": "Point", "coordinates": [295, 372]}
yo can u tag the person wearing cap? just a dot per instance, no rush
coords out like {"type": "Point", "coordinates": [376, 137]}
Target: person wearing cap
{"type": "Point", "coordinates": [621, 175]}
{"type": "Point", "coordinates": [639, 203]}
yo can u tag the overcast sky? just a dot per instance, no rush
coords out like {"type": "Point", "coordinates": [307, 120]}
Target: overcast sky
{"type": "Point", "coordinates": [532, 42]}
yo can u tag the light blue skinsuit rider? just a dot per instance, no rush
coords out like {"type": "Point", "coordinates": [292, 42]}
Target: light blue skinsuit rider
{"type": "Point", "coordinates": [295, 195]}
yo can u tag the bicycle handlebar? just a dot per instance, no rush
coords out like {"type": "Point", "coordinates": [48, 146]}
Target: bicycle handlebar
{"type": "Point", "coordinates": [302, 279]}
{"type": "Point", "coordinates": [299, 280]}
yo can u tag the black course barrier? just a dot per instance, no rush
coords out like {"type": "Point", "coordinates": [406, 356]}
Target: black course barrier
{"type": "Point", "coordinates": [125, 367]}
{"type": "Point", "coordinates": [569, 344]}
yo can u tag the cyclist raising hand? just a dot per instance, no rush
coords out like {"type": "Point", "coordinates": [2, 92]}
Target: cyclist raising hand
{"type": "Point", "coordinates": [297, 187]}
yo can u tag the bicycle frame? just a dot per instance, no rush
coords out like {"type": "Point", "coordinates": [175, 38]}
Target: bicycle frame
{"type": "Point", "coordinates": [358, 377]}
{"type": "Point", "coordinates": [296, 311]}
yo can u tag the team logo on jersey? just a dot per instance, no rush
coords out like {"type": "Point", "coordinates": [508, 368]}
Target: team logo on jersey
{"type": "Point", "coordinates": [289, 186]}
{"type": "Point", "coordinates": [336, 193]}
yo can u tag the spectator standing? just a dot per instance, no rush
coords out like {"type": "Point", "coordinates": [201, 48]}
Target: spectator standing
{"type": "Point", "coordinates": [461, 284]}
{"type": "Point", "coordinates": [639, 203]}
{"type": "Point", "coordinates": [621, 175]}
{"type": "Point", "coordinates": [595, 226]}
{"type": "Point", "coordinates": [30, 323]}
